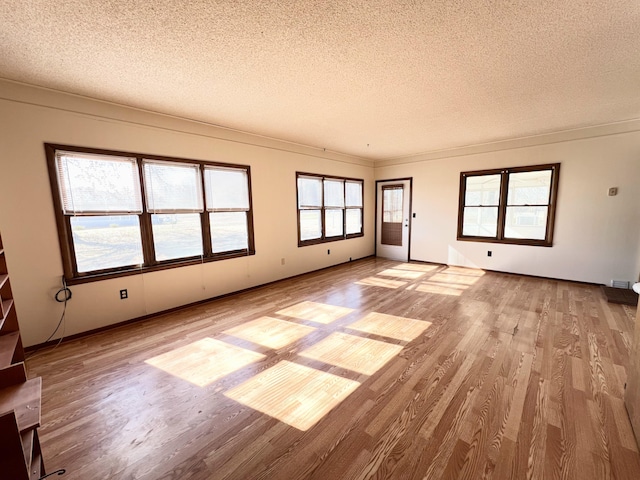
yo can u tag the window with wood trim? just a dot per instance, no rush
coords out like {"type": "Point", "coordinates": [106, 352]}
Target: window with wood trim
{"type": "Point", "coordinates": [509, 205]}
{"type": "Point", "coordinates": [121, 213]}
{"type": "Point", "coordinates": [329, 208]}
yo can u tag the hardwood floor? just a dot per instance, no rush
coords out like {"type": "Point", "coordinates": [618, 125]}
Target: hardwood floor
{"type": "Point", "coordinates": [372, 369]}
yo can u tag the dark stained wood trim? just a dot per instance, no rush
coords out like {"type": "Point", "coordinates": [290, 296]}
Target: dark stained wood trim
{"type": "Point", "coordinates": [168, 264]}
{"type": "Point", "coordinates": [99, 151]}
{"type": "Point", "coordinates": [502, 204]}
{"type": "Point", "coordinates": [410, 218]}
{"type": "Point", "coordinates": [506, 241]}
{"type": "Point", "coordinates": [319, 241]}
{"type": "Point", "coordinates": [331, 177]}
{"type": "Point", "coordinates": [461, 198]}
{"type": "Point", "coordinates": [64, 228]}
{"type": "Point", "coordinates": [250, 230]}
{"type": "Point", "coordinates": [375, 226]}
{"type": "Point", "coordinates": [504, 178]}
{"type": "Point", "coordinates": [146, 229]}
{"type": "Point", "coordinates": [551, 214]}
{"type": "Point", "coordinates": [65, 236]}
{"type": "Point", "coordinates": [205, 225]}
{"type": "Point", "coordinates": [322, 209]}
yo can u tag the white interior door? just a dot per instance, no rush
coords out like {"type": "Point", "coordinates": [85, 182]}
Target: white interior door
{"type": "Point", "coordinates": [393, 219]}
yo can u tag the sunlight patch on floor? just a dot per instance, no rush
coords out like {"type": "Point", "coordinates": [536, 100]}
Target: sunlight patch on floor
{"type": "Point", "coordinates": [316, 312]}
{"type": "Point", "coordinates": [451, 281]}
{"type": "Point", "coordinates": [270, 332]}
{"type": "Point", "coordinates": [441, 288]}
{"type": "Point", "coordinates": [358, 354]}
{"type": "Point", "coordinates": [205, 361]}
{"type": "Point", "coordinates": [391, 326]}
{"type": "Point", "coordinates": [400, 273]}
{"type": "Point", "coordinates": [467, 271]}
{"type": "Point", "coordinates": [294, 394]}
{"type": "Point", "coordinates": [416, 267]}
{"type": "Point", "coordinates": [454, 278]}
{"type": "Point", "coordinates": [381, 282]}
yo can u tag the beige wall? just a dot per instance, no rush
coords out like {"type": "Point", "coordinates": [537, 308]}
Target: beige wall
{"type": "Point", "coordinates": [29, 117]}
{"type": "Point", "coordinates": [637, 277]}
{"type": "Point", "coordinates": [596, 236]}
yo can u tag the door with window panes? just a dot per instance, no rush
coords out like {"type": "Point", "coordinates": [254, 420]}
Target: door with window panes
{"type": "Point", "coordinates": [393, 219]}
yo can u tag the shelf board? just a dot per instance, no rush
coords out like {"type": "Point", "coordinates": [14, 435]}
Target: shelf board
{"type": "Point", "coordinates": [36, 470]}
{"type": "Point", "coordinates": [6, 305]}
{"type": "Point", "coordinates": [24, 398]}
{"type": "Point", "coordinates": [27, 445]}
{"type": "Point", "coordinates": [3, 278]}
{"type": "Point", "coordinates": [8, 347]}
{"type": "Point", "coordinates": [4, 310]}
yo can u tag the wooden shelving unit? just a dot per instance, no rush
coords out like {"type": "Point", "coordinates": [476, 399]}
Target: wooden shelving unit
{"type": "Point", "coordinates": [11, 350]}
{"type": "Point", "coordinates": [20, 453]}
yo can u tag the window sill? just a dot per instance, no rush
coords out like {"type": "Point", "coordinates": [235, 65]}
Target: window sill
{"type": "Point", "coordinates": [507, 241]}
{"type": "Point", "coordinates": [318, 241]}
{"type": "Point", "coordinates": [106, 275]}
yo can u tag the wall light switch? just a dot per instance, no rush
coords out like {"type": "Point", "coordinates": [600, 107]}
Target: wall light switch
{"type": "Point", "coordinates": [613, 191]}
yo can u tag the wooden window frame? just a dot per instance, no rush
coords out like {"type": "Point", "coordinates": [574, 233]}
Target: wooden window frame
{"type": "Point", "coordinates": [502, 205]}
{"type": "Point", "coordinates": [323, 238]}
{"type": "Point", "coordinates": [150, 264]}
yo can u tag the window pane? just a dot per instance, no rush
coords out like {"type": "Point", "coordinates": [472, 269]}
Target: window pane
{"type": "Point", "coordinates": [529, 188]}
{"type": "Point", "coordinates": [106, 241]}
{"type": "Point", "coordinates": [177, 236]}
{"type": "Point", "coordinates": [482, 190]}
{"type": "Point", "coordinates": [526, 223]}
{"type": "Point", "coordinates": [310, 224]}
{"type": "Point", "coordinates": [334, 193]}
{"type": "Point", "coordinates": [98, 183]}
{"type": "Point", "coordinates": [172, 187]}
{"type": "Point", "coordinates": [226, 188]}
{"type": "Point", "coordinates": [480, 221]}
{"type": "Point", "coordinates": [228, 231]}
{"type": "Point", "coordinates": [354, 194]}
{"type": "Point", "coordinates": [392, 205]}
{"type": "Point", "coordinates": [309, 192]}
{"type": "Point", "coordinates": [354, 220]}
{"type": "Point", "coordinates": [334, 222]}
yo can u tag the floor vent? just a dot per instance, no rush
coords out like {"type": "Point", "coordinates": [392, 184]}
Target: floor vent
{"type": "Point", "coordinates": [620, 284]}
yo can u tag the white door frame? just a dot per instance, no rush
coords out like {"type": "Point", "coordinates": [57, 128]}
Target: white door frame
{"type": "Point", "coordinates": [407, 220]}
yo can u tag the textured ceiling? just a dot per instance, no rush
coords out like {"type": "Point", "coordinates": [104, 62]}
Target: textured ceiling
{"type": "Point", "coordinates": [375, 78]}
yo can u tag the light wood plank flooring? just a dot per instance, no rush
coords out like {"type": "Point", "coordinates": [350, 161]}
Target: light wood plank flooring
{"type": "Point", "coordinates": [373, 369]}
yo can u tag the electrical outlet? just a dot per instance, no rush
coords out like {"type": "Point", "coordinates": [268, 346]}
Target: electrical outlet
{"type": "Point", "coordinates": [282, 261]}
{"type": "Point", "coordinates": [489, 253]}
{"type": "Point", "coordinates": [123, 294]}
{"type": "Point", "coordinates": [328, 252]}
